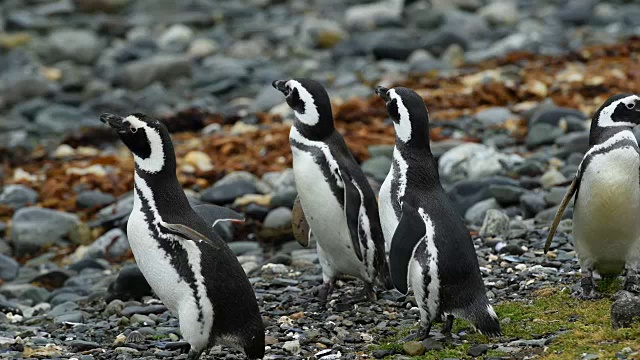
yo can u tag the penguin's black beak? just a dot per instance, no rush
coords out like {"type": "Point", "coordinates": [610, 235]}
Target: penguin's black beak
{"type": "Point", "coordinates": [383, 93]}
{"type": "Point", "coordinates": [280, 85]}
{"type": "Point", "coordinates": [112, 120]}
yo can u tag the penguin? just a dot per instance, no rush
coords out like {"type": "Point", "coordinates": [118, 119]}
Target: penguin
{"type": "Point", "coordinates": [193, 271]}
{"type": "Point", "coordinates": [335, 196]}
{"type": "Point", "coordinates": [430, 249]}
{"type": "Point", "coordinates": [606, 231]}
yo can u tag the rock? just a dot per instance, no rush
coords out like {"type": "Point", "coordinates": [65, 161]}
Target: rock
{"type": "Point", "coordinates": [504, 12]}
{"type": "Point", "coordinates": [377, 167]}
{"type": "Point", "coordinates": [542, 134]}
{"type": "Point", "coordinates": [93, 198]}
{"type": "Point", "coordinates": [476, 213]}
{"type": "Point", "coordinates": [130, 284]}
{"type": "Point", "coordinates": [267, 98]}
{"type": "Point", "coordinates": [18, 196]}
{"type": "Point", "coordinates": [176, 37]}
{"type": "Point", "coordinates": [554, 115]}
{"type": "Point", "coordinates": [577, 12]}
{"type": "Point", "coordinates": [199, 160]}
{"type": "Point", "coordinates": [472, 161]}
{"type": "Point", "coordinates": [23, 292]}
{"type": "Point", "coordinates": [8, 268]}
{"type": "Point", "coordinates": [551, 178]}
{"type": "Point", "coordinates": [506, 195]}
{"type": "Point", "coordinates": [413, 348]}
{"type": "Point", "coordinates": [373, 14]}
{"type": "Point", "coordinates": [284, 197]}
{"type": "Point", "coordinates": [58, 119]}
{"type": "Point", "coordinates": [165, 68]}
{"type": "Point", "coordinates": [477, 350]}
{"type": "Point", "coordinates": [110, 245]}
{"type": "Point", "coordinates": [496, 223]}
{"type": "Point", "coordinates": [466, 193]}
{"type": "Point", "coordinates": [81, 345]}
{"type": "Point", "coordinates": [278, 218]}
{"type": "Point", "coordinates": [80, 46]}
{"type": "Point", "coordinates": [511, 43]}
{"type": "Point", "coordinates": [226, 193]}
{"type": "Point", "coordinates": [203, 47]}
{"type": "Point", "coordinates": [292, 347]}
{"type": "Point", "coordinates": [34, 228]}
{"type": "Point", "coordinates": [494, 116]}
{"type": "Point", "coordinates": [321, 33]}
{"type": "Point", "coordinates": [532, 204]}
{"type": "Point", "coordinates": [625, 310]}
{"type": "Point", "coordinates": [107, 6]}
{"type": "Point", "coordinates": [432, 344]}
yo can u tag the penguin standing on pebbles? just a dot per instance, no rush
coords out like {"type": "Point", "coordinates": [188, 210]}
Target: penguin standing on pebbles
{"type": "Point", "coordinates": [606, 230]}
{"type": "Point", "coordinates": [188, 266]}
{"type": "Point", "coordinates": [430, 247]}
{"type": "Point", "coordinates": [338, 202]}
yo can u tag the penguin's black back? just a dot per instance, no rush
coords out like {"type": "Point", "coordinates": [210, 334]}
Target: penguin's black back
{"type": "Point", "coordinates": [460, 281]}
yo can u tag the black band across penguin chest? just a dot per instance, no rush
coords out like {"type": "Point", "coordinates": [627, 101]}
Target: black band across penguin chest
{"type": "Point", "coordinates": [177, 255]}
{"type": "Point", "coordinates": [330, 175]}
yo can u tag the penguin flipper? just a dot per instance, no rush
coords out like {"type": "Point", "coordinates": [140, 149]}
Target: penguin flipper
{"type": "Point", "coordinates": [212, 214]}
{"type": "Point", "coordinates": [410, 231]}
{"type": "Point", "coordinates": [186, 232]}
{"type": "Point", "coordinates": [352, 211]}
{"type": "Point", "coordinates": [560, 212]}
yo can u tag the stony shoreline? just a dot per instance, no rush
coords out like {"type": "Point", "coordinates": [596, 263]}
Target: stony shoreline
{"type": "Point", "coordinates": [510, 88]}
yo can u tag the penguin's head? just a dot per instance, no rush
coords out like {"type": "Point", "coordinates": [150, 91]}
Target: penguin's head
{"type": "Point", "coordinates": [147, 138]}
{"type": "Point", "coordinates": [619, 110]}
{"type": "Point", "coordinates": [409, 114]}
{"type": "Point", "coordinates": [310, 103]}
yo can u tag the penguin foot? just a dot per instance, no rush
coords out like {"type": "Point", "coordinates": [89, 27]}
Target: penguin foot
{"type": "Point", "coordinates": [421, 334]}
{"type": "Point", "coordinates": [325, 290]}
{"type": "Point", "coordinates": [447, 326]}
{"type": "Point", "coordinates": [368, 293]}
{"type": "Point", "coordinates": [194, 355]}
{"type": "Point", "coordinates": [134, 337]}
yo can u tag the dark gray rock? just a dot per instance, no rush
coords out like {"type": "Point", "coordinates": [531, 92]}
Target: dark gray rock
{"type": "Point", "coordinates": [284, 197]}
{"type": "Point", "coordinates": [494, 116]}
{"type": "Point", "coordinates": [478, 350]}
{"type": "Point", "coordinates": [110, 245]}
{"type": "Point", "coordinates": [466, 193]}
{"type": "Point", "coordinates": [377, 167]}
{"type": "Point", "coordinates": [91, 198]}
{"type": "Point", "coordinates": [625, 310]}
{"type": "Point", "coordinates": [80, 46]}
{"type": "Point", "coordinates": [278, 218]}
{"type": "Point", "coordinates": [221, 194]}
{"type": "Point", "coordinates": [58, 119]}
{"type": "Point", "coordinates": [165, 68]}
{"type": "Point", "coordinates": [8, 268]}
{"type": "Point", "coordinates": [552, 115]}
{"type": "Point", "coordinates": [130, 284]}
{"type": "Point", "coordinates": [506, 194]}
{"type": "Point", "coordinates": [35, 227]}
{"type": "Point", "coordinates": [542, 134]}
{"type": "Point", "coordinates": [18, 196]}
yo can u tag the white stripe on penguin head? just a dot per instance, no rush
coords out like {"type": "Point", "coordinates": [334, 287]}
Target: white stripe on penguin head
{"type": "Point", "coordinates": [155, 161]}
{"type": "Point", "coordinates": [403, 128]}
{"type": "Point", "coordinates": [605, 118]}
{"type": "Point", "coordinates": [311, 115]}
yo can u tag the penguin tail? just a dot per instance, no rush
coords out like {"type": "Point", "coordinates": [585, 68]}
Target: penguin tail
{"type": "Point", "coordinates": [483, 318]}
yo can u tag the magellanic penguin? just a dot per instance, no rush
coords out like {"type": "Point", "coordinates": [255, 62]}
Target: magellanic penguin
{"type": "Point", "coordinates": [431, 250]}
{"type": "Point", "coordinates": [188, 266]}
{"type": "Point", "coordinates": [338, 202]}
{"type": "Point", "coordinates": [606, 230]}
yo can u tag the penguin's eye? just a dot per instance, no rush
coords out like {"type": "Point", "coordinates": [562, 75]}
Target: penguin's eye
{"type": "Point", "coordinates": [133, 129]}
{"type": "Point", "coordinates": [630, 106]}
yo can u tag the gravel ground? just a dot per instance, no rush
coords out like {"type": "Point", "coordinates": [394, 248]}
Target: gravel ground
{"type": "Point", "coordinates": [510, 87]}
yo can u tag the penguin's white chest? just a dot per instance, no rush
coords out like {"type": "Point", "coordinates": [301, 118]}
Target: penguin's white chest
{"type": "Point", "coordinates": [196, 316]}
{"type": "Point", "coordinates": [388, 219]}
{"type": "Point", "coordinates": [326, 218]}
{"type": "Point", "coordinates": [605, 225]}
